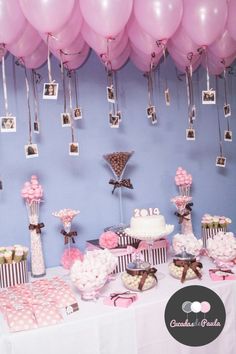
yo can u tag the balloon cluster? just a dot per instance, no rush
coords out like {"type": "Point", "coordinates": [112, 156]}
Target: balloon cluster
{"type": "Point", "coordinates": [32, 190]}
{"type": "Point", "coordinates": [133, 28]}
{"type": "Point", "coordinates": [182, 178]}
{"type": "Point", "coordinates": [196, 307]}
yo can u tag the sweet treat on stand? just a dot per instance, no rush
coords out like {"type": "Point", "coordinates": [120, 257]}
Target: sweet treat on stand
{"type": "Point", "coordinates": [117, 161]}
{"type": "Point", "coordinates": [185, 266]}
{"type": "Point", "coordinates": [211, 225]}
{"type": "Point", "coordinates": [148, 224]}
{"type": "Point", "coordinates": [183, 181]}
{"type": "Point", "coordinates": [222, 249]}
{"type": "Point", "coordinates": [139, 276]}
{"type": "Point", "coordinates": [189, 242]}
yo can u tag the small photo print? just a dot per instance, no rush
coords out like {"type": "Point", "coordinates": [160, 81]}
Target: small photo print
{"type": "Point", "coordinates": [221, 161]}
{"type": "Point", "coordinates": [77, 113]}
{"type": "Point", "coordinates": [110, 94]}
{"type": "Point", "coordinates": [8, 124]}
{"type": "Point", "coordinates": [31, 151]}
{"type": "Point", "coordinates": [208, 97]}
{"type": "Point", "coordinates": [50, 91]}
{"type": "Point", "coordinates": [228, 135]}
{"type": "Point", "coordinates": [167, 97]}
{"type": "Point", "coordinates": [119, 115]}
{"type": "Point", "coordinates": [190, 134]}
{"type": "Point", "coordinates": [36, 127]}
{"type": "Point", "coordinates": [150, 111]}
{"type": "Point", "coordinates": [193, 112]}
{"type": "Point", "coordinates": [153, 118]}
{"type": "Point", "coordinates": [74, 149]}
{"type": "Point", "coordinates": [65, 120]}
{"type": "Point", "coordinates": [114, 120]}
{"type": "Point", "coordinates": [227, 110]}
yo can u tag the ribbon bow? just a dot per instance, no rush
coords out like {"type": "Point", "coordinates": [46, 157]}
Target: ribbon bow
{"type": "Point", "coordinates": [36, 227]}
{"type": "Point", "coordinates": [116, 296]}
{"type": "Point", "coordinates": [182, 217]}
{"type": "Point", "coordinates": [187, 265]}
{"type": "Point", "coordinates": [123, 183]}
{"type": "Point", "coordinates": [145, 273]}
{"type": "Point", "coordinates": [68, 236]}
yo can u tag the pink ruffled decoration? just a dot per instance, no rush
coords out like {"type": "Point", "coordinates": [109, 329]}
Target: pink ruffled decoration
{"type": "Point", "coordinates": [109, 240]}
{"type": "Point", "coordinates": [70, 256]}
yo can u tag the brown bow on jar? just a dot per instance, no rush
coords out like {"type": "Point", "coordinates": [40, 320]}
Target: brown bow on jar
{"type": "Point", "coordinates": [144, 273]}
{"type": "Point", "coordinates": [193, 264]}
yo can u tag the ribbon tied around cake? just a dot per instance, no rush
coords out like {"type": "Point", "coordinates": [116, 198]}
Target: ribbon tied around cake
{"type": "Point", "coordinates": [68, 236]}
{"type": "Point", "coordinates": [123, 183]}
{"type": "Point", "coordinates": [36, 227]}
{"type": "Point", "coordinates": [189, 265]}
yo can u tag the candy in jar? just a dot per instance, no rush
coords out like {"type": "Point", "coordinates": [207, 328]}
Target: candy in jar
{"type": "Point", "coordinates": [139, 277]}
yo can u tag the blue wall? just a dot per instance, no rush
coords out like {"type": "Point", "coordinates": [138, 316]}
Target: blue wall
{"type": "Point", "coordinates": [82, 182]}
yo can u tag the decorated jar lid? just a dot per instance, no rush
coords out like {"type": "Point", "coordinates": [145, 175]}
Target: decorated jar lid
{"type": "Point", "coordinates": [184, 256]}
{"type": "Point", "coordinates": [139, 276]}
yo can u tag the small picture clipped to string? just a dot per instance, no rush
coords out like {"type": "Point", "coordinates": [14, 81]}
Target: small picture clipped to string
{"type": "Point", "coordinates": [228, 135]}
{"type": "Point", "coordinates": [77, 113]}
{"type": "Point", "coordinates": [74, 149]}
{"type": "Point", "coordinates": [190, 134]}
{"type": "Point", "coordinates": [167, 97]}
{"type": "Point", "coordinates": [150, 111]}
{"type": "Point", "coordinates": [65, 120]}
{"type": "Point", "coordinates": [221, 161]}
{"type": "Point", "coordinates": [209, 97]}
{"type": "Point", "coordinates": [31, 151]}
{"type": "Point", "coordinates": [114, 120]}
{"type": "Point", "coordinates": [227, 110]}
{"type": "Point", "coordinates": [36, 128]}
{"type": "Point", "coordinates": [8, 124]}
{"type": "Point", "coordinates": [110, 94]}
{"type": "Point", "coordinates": [50, 91]}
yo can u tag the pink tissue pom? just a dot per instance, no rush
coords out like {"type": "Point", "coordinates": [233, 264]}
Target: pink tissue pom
{"type": "Point", "coordinates": [70, 256]}
{"type": "Point", "coordinates": [108, 239]}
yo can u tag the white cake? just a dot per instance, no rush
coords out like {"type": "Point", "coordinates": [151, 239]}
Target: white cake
{"type": "Point", "coordinates": [147, 227]}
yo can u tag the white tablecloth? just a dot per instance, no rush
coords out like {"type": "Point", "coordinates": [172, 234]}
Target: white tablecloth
{"type": "Point", "coordinates": [139, 329]}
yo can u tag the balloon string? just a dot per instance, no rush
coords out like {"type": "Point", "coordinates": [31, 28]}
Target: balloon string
{"type": "Point", "coordinates": [4, 86]}
{"type": "Point", "coordinates": [49, 61]}
{"type": "Point", "coordinates": [207, 72]}
{"type": "Point", "coordinates": [35, 96]}
{"type": "Point", "coordinates": [218, 119]}
{"type": "Point", "coordinates": [71, 110]}
{"type": "Point", "coordinates": [226, 96]}
{"type": "Point", "coordinates": [28, 104]}
{"type": "Point", "coordinates": [76, 89]}
{"type": "Point", "coordinates": [116, 104]}
{"type": "Point", "coordinates": [63, 82]}
{"type": "Point", "coordinates": [165, 67]}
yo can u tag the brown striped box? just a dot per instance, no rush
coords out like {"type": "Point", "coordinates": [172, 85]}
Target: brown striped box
{"type": "Point", "coordinates": [13, 274]}
{"type": "Point", "coordinates": [125, 240]}
{"type": "Point", "coordinates": [210, 232]}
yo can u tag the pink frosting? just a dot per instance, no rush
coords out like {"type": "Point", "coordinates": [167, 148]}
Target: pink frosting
{"type": "Point", "coordinates": [108, 239]}
{"type": "Point", "coordinates": [70, 256]}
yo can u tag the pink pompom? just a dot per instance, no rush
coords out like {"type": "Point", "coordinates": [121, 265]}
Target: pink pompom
{"type": "Point", "coordinates": [108, 239]}
{"type": "Point", "coordinates": [70, 256]}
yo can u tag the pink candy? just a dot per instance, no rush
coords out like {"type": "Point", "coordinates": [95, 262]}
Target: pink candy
{"type": "Point", "coordinates": [182, 178]}
{"type": "Point", "coordinates": [32, 191]}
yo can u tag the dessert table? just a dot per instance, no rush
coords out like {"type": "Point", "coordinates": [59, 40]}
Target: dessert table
{"type": "Point", "coordinates": [139, 329]}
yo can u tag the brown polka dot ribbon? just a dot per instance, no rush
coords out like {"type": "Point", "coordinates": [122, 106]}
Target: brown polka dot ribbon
{"type": "Point", "coordinates": [123, 183]}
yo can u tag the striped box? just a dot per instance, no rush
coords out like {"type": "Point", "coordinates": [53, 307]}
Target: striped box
{"type": "Point", "coordinates": [125, 240]}
{"type": "Point", "coordinates": [210, 233]}
{"type": "Point", "coordinates": [13, 274]}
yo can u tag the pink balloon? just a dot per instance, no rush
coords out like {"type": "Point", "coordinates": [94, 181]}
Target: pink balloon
{"type": "Point", "coordinates": [204, 20]}
{"type": "Point", "coordinates": [143, 61]}
{"type": "Point", "coordinates": [64, 37]}
{"type": "Point", "coordinates": [27, 43]}
{"type": "Point", "coordinates": [215, 67]}
{"type": "Point", "coordinates": [183, 42]}
{"type": "Point", "coordinates": [142, 40]}
{"type": "Point", "coordinates": [159, 18]}
{"type": "Point", "coordinates": [182, 67]}
{"type": "Point", "coordinates": [117, 51]}
{"type": "Point", "coordinates": [117, 63]}
{"type": "Point", "coordinates": [98, 42]}
{"type": "Point", "coordinates": [107, 18]}
{"type": "Point", "coordinates": [224, 46]}
{"type": "Point", "coordinates": [205, 307]}
{"type": "Point", "coordinates": [12, 21]}
{"type": "Point", "coordinates": [75, 47]}
{"type": "Point", "coordinates": [80, 59]}
{"type": "Point", "coordinates": [3, 52]}
{"type": "Point", "coordinates": [183, 58]}
{"type": "Point", "coordinates": [231, 18]}
{"type": "Point", "coordinates": [37, 58]}
{"type": "Point", "coordinates": [47, 16]}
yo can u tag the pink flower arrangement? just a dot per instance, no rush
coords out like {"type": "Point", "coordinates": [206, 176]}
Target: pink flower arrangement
{"type": "Point", "coordinates": [181, 201]}
{"type": "Point", "coordinates": [32, 190]}
{"type": "Point", "coordinates": [108, 239]}
{"type": "Point", "coordinates": [71, 255]}
{"type": "Point", "coordinates": [182, 178]}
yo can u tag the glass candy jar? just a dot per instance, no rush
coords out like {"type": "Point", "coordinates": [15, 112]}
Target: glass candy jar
{"type": "Point", "coordinates": [139, 276]}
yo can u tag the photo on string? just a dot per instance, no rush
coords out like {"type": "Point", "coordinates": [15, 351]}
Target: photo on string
{"type": "Point", "coordinates": [50, 91]}
{"type": "Point", "coordinates": [36, 127]}
{"type": "Point", "coordinates": [74, 149]}
{"type": "Point", "coordinates": [190, 134]}
{"type": "Point", "coordinates": [31, 151]}
{"type": "Point", "coordinates": [221, 161]}
{"type": "Point", "coordinates": [114, 120]}
{"type": "Point", "coordinates": [77, 113]}
{"type": "Point", "coordinates": [228, 135]}
{"type": "Point", "coordinates": [65, 120]}
{"type": "Point", "coordinates": [167, 97]}
{"type": "Point", "coordinates": [150, 111]}
{"type": "Point", "coordinates": [110, 94]}
{"type": "Point", "coordinates": [8, 124]}
{"type": "Point", "coordinates": [208, 97]}
{"type": "Point", "coordinates": [227, 110]}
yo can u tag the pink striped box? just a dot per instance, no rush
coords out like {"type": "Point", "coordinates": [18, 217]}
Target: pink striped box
{"type": "Point", "coordinates": [13, 274]}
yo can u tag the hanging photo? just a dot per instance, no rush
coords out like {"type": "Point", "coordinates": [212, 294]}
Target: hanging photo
{"type": "Point", "coordinates": [31, 151]}
{"type": "Point", "coordinates": [221, 161]}
{"type": "Point", "coordinates": [228, 135]}
{"type": "Point", "coordinates": [74, 149]}
{"type": "Point", "coordinates": [227, 110]}
{"type": "Point", "coordinates": [190, 134]}
{"type": "Point", "coordinates": [1, 187]}
{"type": "Point", "coordinates": [8, 124]}
{"type": "Point", "coordinates": [110, 94]}
{"type": "Point", "coordinates": [77, 113]}
{"type": "Point", "coordinates": [113, 120]}
{"type": "Point", "coordinates": [50, 91]}
{"type": "Point", "coordinates": [65, 120]}
{"type": "Point", "coordinates": [150, 111]}
{"type": "Point", "coordinates": [36, 127]}
{"type": "Point", "coordinates": [208, 97]}
{"type": "Point", "coordinates": [154, 118]}
{"type": "Point", "coordinates": [118, 113]}
{"type": "Point", "coordinates": [193, 112]}
{"type": "Point", "coordinates": [167, 97]}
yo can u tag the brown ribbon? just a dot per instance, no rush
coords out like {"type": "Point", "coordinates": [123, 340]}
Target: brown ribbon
{"type": "Point", "coordinates": [145, 273]}
{"type": "Point", "coordinates": [123, 183]}
{"type": "Point", "coordinates": [68, 236]}
{"type": "Point", "coordinates": [187, 265]}
{"type": "Point", "coordinates": [117, 296]}
{"type": "Point", "coordinates": [36, 227]}
{"type": "Point", "coordinates": [182, 217]}
{"type": "Point", "coordinates": [227, 271]}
